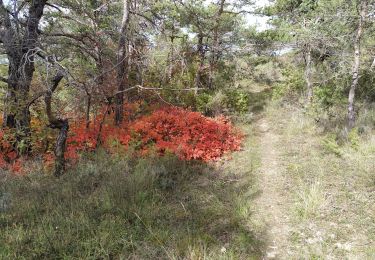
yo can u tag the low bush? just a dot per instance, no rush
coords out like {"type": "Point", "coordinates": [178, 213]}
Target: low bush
{"type": "Point", "coordinates": [187, 134]}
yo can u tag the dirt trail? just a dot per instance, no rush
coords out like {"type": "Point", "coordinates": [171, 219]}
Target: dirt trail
{"type": "Point", "coordinates": [272, 204]}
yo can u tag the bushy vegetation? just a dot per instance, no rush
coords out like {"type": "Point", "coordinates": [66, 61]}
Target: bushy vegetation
{"type": "Point", "coordinates": [134, 106]}
{"type": "Point", "coordinates": [188, 134]}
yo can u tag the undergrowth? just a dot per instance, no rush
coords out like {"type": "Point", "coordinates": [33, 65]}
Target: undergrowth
{"type": "Point", "coordinates": [123, 207]}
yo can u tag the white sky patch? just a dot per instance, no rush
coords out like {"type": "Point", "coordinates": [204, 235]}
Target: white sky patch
{"type": "Point", "coordinates": [261, 22]}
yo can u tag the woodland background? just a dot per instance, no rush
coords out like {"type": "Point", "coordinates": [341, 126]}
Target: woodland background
{"type": "Point", "coordinates": [117, 114]}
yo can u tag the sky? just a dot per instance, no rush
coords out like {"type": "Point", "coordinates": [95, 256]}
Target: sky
{"type": "Point", "coordinates": [259, 21]}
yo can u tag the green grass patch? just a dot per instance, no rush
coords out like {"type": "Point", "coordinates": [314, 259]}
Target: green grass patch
{"type": "Point", "coordinates": [124, 207]}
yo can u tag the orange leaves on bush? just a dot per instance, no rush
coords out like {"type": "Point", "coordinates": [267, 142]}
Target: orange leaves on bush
{"type": "Point", "coordinates": [188, 134]}
{"type": "Point", "coordinates": [81, 139]}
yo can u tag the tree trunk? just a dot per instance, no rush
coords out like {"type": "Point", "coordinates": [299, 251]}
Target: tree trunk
{"type": "Point", "coordinates": [88, 109]}
{"type": "Point", "coordinates": [308, 75]}
{"type": "Point", "coordinates": [57, 123]}
{"type": "Point", "coordinates": [201, 55]}
{"type": "Point", "coordinates": [215, 43]}
{"type": "Point", "coordinates": [61, 147]}
{"type": "Point", "coordinates": [356, 65]}
{"type": "Point", "coordinates": [20, 52]}
{"type": "Point", "coordinates": [170, 62]}
{"type": "Point", "coordinates": [122, 64]}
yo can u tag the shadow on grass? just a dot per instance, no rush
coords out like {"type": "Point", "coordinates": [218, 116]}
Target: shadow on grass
{"type": "Point", "coordinates": [258, 100]}
{"type": "Point", "coordinates": [111, 208]}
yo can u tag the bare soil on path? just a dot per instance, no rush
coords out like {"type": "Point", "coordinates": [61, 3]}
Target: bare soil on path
{"type": "Point", "coordinates": [272, 204]}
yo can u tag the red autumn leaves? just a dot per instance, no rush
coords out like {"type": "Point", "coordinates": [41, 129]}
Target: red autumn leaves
{"type": "Point", "coordinates": [189, 135]}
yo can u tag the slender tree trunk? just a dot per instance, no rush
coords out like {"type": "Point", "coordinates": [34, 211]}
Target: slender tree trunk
{"type": "Point", "coordinates": [137, 64]}
{"type": "Point", "coordinates": [60, 147]}
{"type": "Point", "coordinates": [372, 64]}
{"type": "Point", "coordinates": [122, 64]}
{"type": "Point", "coordinates": [57, 123]}
{"type": "Point", "coordinates": [88, 109]}
{"type": "Point", "coordinates": [356, 65]}
{"type": "Point", "coordinates": [308, 75]}
{"type": "Point", "coordinates": [170, 62]}
{"type": "Point", "coordinates": [215, 43]}
{"type": "Point", "coordinates": [201, 55]}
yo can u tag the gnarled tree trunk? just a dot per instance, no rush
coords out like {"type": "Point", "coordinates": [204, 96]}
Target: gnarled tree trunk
{"type": "Point", "coordinates": [21, 50]}
{"type": "Point", "coordinates": [57, 123]}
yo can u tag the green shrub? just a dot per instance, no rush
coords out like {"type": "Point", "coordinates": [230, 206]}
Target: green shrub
{"type": "Point", "coordinates": [268, 73]}
{"type": "Point", "coordinates": [330, 145]}
{"type": "Point", "coordinates": [354, 138]}
{"type": "Point", "coordinates": [232, 100]}
{"type": "Point", "coordinates": [237, 100]}
{"type": "Point", "coordinates": [292, 85]}
{"type": "Point", "coordinates": [327, 96]}
{"type": "Point", "coordinates": [202, 101]}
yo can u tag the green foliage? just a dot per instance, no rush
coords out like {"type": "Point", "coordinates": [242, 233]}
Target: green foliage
{"type": "Point", "coordinates": [366, 82]}
{"type": "Point", "coordinates": [230, 100]}
{"type": "Point", "coordinates": [238, 100]}
{"type": "Point", "coordinates": [328, 95]}
{"type": "Point", "coordinates": [267, 73]}
{"type": "Point", "coordinates": [330, 145]}
{"type": "Point", "coordinates": [354, 138]}
{"type": "Point", "coordinates": [293, 83]}
{"type": "Point", "coordinates": [203, 99]}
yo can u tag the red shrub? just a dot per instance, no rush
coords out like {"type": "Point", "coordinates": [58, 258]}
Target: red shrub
{"type": "Point", "coordinates": [188, 134]}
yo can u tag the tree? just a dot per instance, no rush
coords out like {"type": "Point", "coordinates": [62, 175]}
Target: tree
{"type": "Point", "coordinates": [300, 19]}
{"type": "Point", "coordinates": [19, 35]}
{"type": "Point", "coordinates": [362, 9]}
{"type": "Point", "coordinates": [122, 63]}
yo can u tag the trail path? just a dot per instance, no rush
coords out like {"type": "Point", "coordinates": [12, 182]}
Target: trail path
{"type": "Point", "coordinates": [272, 204]}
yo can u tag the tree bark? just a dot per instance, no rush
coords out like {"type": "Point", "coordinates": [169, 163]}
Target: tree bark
{"type": "Point", "coordinates": [122, 64]}
{"type": "Point", "coordinates": [215, 43]}
{"type": "Point", "coordinates": [308, 75]}
{"type": "Point", "coordinates": [170, 62]}
{"type": "Point", "coordinates": [356, 65]}
{"type": "Point", "coordinates": [20, 52]}
{"type": "Point", "coordinates": [57, 123]}
{"type": "Point", "coordinates": [201, 56]}
{"type": "Point", "coordinates": [88, 110]}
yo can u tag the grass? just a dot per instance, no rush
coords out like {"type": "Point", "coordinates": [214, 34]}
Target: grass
{"type": "Point", "coordinates": [310, 199]}
{"type": "Point", "coordinates": [333, 187]}
{"type": "Point", "coordinates": [130, 208]}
